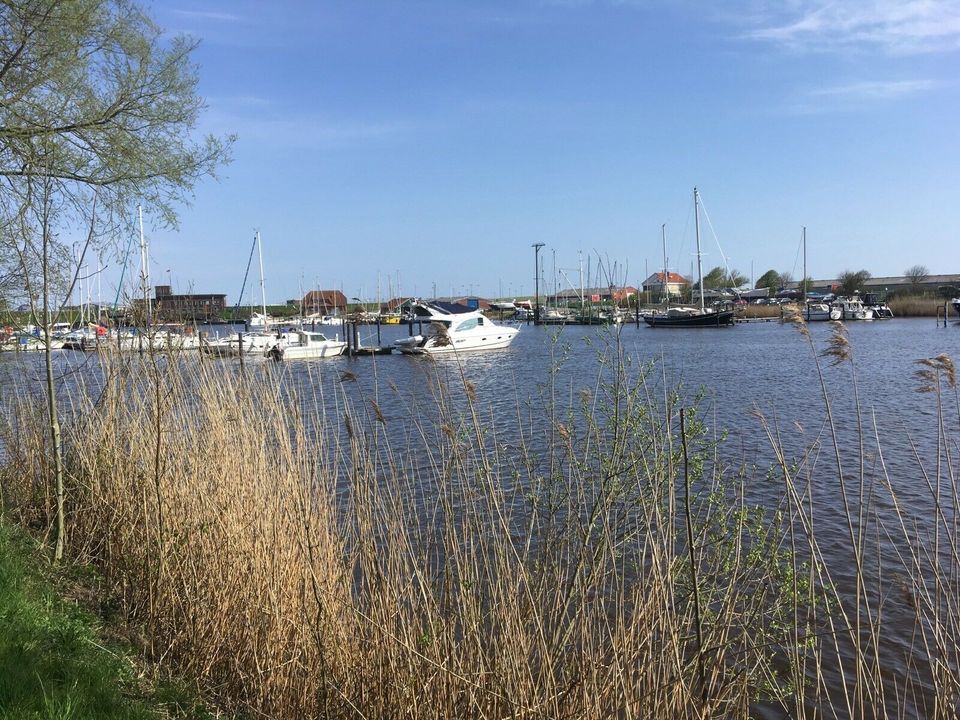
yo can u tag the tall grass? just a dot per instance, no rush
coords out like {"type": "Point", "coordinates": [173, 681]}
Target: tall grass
{"type": "Point", "coordinates": [301, 553]}
{"type": "Point", "coordinates": [918, 306]}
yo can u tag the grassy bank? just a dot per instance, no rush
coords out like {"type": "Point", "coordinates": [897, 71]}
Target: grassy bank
{"type": "Point", "coordinates": [54, 664]}
{"type": "Point", "coordinates": [305, 554]}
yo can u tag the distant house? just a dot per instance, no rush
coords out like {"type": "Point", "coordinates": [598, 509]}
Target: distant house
{"type": "Point", "coordinates": [396, 305]}
{"type": "Point", "coordinates": [675, 284]}
{"type": "Point", "coordinates": [193, 307]}
{"type": "Point", "coordinates": [324, 302]}
{"type": "Point", "coordinates": [617, 295]}
{"type": "Point", "coordinates": [474, 302]}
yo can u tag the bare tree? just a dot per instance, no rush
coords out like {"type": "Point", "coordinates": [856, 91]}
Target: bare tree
{"type": "Point", "coordinates": [916, 275]}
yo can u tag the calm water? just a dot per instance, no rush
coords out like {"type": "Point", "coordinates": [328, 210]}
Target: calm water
{"type": "Point", "coordinates": [765, 367]}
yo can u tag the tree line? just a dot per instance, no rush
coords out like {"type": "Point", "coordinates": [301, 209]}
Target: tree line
{"type": "Point", "coordinates": [848, 281]}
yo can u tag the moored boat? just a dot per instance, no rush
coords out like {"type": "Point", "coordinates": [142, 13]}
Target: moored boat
{"type": "Point", "coordinates": [692, 317]}
{"type": "Point", "coordinates": [304, 345]}
{"type": "Point", "coordinates": [821, 311]}
{"type": "Point", "coordinates": [852, 308]}
{"type": "Point", "coordinates": [453, 329]}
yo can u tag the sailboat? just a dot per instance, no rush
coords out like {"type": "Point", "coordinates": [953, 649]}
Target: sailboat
{"type": "Point", "coordinates": [681, 317]}
{"type": "Point", "coordinates": [258, 342]}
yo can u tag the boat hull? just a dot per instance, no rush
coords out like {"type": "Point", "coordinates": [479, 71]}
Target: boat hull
{"type": "Point", "coordinates": [430, 345]}
{"type": "Point", "coordinates": [315, 352]}
{"type": "Point", "coordinates": [694, 320]}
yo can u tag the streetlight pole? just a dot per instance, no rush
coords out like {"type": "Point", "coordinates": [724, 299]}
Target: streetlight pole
{"type": "Point", "coordinates": [536, 281]}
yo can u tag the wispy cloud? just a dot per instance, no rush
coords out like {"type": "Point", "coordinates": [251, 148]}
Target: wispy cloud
{"type": "Point", "coordinates": [857, 96]}
{"type": "Point", "coordinates": [893, 26]}
{"type": "Point", "coordinates": [207, 15]}
{"type": "Point", "coordinates": [875, 89]}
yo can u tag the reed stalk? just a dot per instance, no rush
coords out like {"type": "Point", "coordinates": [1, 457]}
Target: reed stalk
{"type": "Point", "coordinates": [300, 552]}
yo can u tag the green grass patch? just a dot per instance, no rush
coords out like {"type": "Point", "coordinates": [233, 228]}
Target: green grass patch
{"type": "Point", "coordinates": [53, 664]}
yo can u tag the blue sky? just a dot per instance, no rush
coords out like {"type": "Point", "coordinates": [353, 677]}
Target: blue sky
{"type": "Point", "coordinates": [430, 143]}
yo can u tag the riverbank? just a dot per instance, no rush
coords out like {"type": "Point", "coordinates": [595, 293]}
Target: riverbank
{"type": "Point", "coordinates": [54, 659]}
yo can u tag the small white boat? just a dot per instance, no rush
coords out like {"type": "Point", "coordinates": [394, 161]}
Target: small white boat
{"type": "Point", "coordinates": [241, 344]}
{"type": "Point", "coordinates": [311, 320]}
{"type": "Point", "coordinates": [820, 312]}
{"type": "Point", "coordinates": [852, 308]}
{"type": "Point", "coordinates": [881, 311]}
{"type": "Point", "coordinates": [305, 345]}
{"type": "Point", "coordinates": [260, 321]}
{"type": "Point", "coordinates": [25, 342]}
{"type": "Point", "coordinates": [455, 329]}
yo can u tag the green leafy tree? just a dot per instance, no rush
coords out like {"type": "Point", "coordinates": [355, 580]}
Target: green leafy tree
{"type": "Point", "coordinates": [770, 279]}
{"type": "Point", "coordinates": [96, 115]}
{"type": "Point", "coordinates": [719, 277]}
{"type": "Point", "coordinates": [852, 281]}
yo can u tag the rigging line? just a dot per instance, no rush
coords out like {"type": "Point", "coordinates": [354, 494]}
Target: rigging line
{"type": "Point", "coordinates": [726, 265]}
{"type": "Point", "coordinates": [684, 236]}
{"type": "Point", "coordinates": [236, 308]}
{"type": "Point", "coordinates": [123, 271]}
{"type": "Point", "coordinates": [797, 256]}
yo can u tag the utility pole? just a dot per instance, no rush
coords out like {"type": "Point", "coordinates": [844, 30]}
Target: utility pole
{"type": "Point", "coordinates": [536, 281]}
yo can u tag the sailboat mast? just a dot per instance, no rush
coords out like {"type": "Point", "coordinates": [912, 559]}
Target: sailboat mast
{"type": "Point", "coordinates": [696, 216]}
{"type": "Point", "coordinates": [803, 282]}
{"type": "Point", "coordinates": [666, 276]}
{"type": "Point", "coordinates": [144, 269]}
{"type": "Point", "coordinates": [263, 294]}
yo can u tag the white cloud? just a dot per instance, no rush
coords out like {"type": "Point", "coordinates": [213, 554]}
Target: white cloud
{"type": "Point", "coordinates": [856, 96]}
{"type": "Point", "coordinates": [875, 89]}
{"type": "Point", "coordinates": [894, 26]}
{"type": "Point", "coordinates": [206, 15]}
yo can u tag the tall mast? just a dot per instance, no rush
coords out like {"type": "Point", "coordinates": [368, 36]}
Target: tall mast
{"type": "Point", "coordinates": [145, 269]}
{"type": "Point", "coordinates": [696, 216]}
{"type": "Point", "coordinates": [263, 294]}
{"type": "Point", "coordinates": [666, 276]}
{"type": "Point", "coordinates": [580, 255]}
{"type": "Point", "coordinates": [803, 281]}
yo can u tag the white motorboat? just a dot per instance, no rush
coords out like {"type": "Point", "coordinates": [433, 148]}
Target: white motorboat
{"type": "Point", "coordinates": [852, 308]}
{"type": "Point", "coordinates": [881, 311]}
{"type": "Point", "coordinates": [242, 344]}
{"type": "Point", "coordinates": [304, 345]}
{"type": "Point", "coordinates": [454, 329]}
{"type": "Point", "coordinates": [818, 311]}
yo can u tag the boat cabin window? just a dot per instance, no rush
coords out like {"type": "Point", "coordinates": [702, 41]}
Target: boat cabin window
{"type": "Point", "coordinates": [469, 324]}
{"type": "Point", "coordinates": [316, 337]}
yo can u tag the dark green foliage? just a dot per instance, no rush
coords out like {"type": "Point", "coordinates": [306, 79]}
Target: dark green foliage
{"type": "Point", "coordinates": [770, 279]}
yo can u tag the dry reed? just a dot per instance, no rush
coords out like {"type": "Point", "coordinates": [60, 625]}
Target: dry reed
{"type": "Point", "coordinates": [301, 558]}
